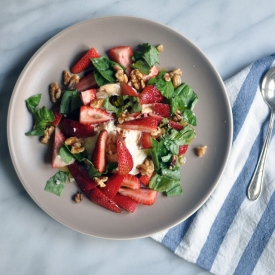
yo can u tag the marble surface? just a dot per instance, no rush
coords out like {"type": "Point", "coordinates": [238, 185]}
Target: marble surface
{"type": "Point", "coordinates": [231, 33]}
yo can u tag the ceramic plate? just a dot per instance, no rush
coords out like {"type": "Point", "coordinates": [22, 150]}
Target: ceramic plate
{"type": "Point", "coordinates": [31, 159]}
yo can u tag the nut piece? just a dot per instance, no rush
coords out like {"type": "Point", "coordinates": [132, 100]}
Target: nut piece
{"type": "Point", "coordinates": [167, 77]}
{"type": "Point", "coordinates": [177, 117]}
{"type": "Point", "coordinates": [55, 92]}
{"type": "Point", "coordinates": [120, 75]}
{"type": "Point", "coordinates": [157, 133]}
{"type": "Point", "coordinates": [147, 167]}
{"type": "Point", "coordinates": [160, 48]}
{"type": "Point", "coordinates": [97, 102]}
{"type": "Point", "coordinates": [100, 181]}
{"type": "Point", "coordinates": [76, 144]}
{"type": "Point", "coordinates": [176, 80]}
{"type": "Point", "coordinates": [200, 151]}
{"type": "Point", "coordinates": [47, 134]}
{"type": "Point", "coordinates": [137, 80]}
{"type": "Point", "coordinates": [70, 79]}
{"type": "Point", "coordinates": [78, 197]}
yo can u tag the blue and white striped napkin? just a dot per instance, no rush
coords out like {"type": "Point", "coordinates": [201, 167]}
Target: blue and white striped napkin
{"type": "Point", "coordinates": [230, 234]}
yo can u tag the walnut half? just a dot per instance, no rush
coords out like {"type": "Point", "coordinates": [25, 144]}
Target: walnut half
{"type": "Point", "coordinates": [200, 151]}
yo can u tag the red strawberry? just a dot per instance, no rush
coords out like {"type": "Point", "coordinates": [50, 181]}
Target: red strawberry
{"type": "Point", "coordinates": [98, 157]}
{"type": "Point", "coordinates": [125, 203]}
{"type": "Point", "coordinates": [85, 61]}
{"type": "Point", "coordinates": [183, 149]}
{"type": "Point", "coordinates": [81, 177]}
{"type": "Point", "coordinates": [73, 128]}
{"type": "Point", "coordinates": [145, 140]}
{"type": "Point", "coordinates": [122, 55]}
{"type": "Point", "coordinates": [143, 124]}
{"type": "Point", "coordinates": [57, 115]}
{"type": "Point", "coordinates": [153, 72]}
{"type": "Point", "coordinates": [150, 94]}
{"type": "Point", "coordinates": [112, 185]}
{"type": "Point", "coordinates": [87, 96]}
{"type": "Point", "coordinates": [127, 89]}
{"type": "Point", "coordinates": [86, 83]}
{"type": "Point", "coordinates": [91, 115]}
{"type": "Point", "coordinates": [101, 199]}
{"type": "Point", "coordinates": [142, 196]}
{"type": "Point", "coordinates": [162, 109]}
{"type": "Point", "coordinates": [175, 125]}
{"type": "Point", "coordinates": [145, 180]}
{"type": "Point", "coordinates": [124, 157]}
{"type": "Point", "coordinates": [59, 139]}
{"type": "Point", "coordinates": [131, 181]}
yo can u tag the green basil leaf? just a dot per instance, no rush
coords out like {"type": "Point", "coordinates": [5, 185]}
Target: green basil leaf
{"type": "Point", "coordinates": [189, 117]}
{"type": "Point", "coordinates": [70, 101]}
{"type": "Point", "coordinates": [176, 190]}
{"type": "Point", "coordinates": [142, 66]}
{"type": "Point", "coordinates": [32, 102]}
{"type": "Point", "coordinates": [56, 184]}
{"type": "Point", "coordinates": [65, 154]}
{"type": "Point", "coordinates": [185, 96]}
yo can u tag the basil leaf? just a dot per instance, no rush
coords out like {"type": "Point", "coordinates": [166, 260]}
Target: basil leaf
{"type": "Point", "coordinates": [176, 190]}
{"type": "Point", "coordinates": [93, 172]}
{"type": "Point", "coordinates": [185, 96]}
{"type": "Point", "coordinates": [65, 154]}
{"type": "Point", "coordinates": [32, 102]}
{"type": "Point", "coordinates": [142, 66]}
{"type": "Point", "coordinates": [161, 183]}
{"type": "Point", "coordinates": [70, 102]}
{"type": "Point", "coordinates": [172, 174]}
{"type": "Point", "coordinates": [189, 117]}
{"type": "Point", "coordinates": [56, 184]}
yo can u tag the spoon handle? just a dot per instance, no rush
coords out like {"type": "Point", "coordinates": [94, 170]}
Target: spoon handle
{"type": "Point", "coordinates": [255, 186]}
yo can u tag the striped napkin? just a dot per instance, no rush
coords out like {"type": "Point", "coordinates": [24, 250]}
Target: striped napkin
{"type": "Point", "coordinates": [230, 234]}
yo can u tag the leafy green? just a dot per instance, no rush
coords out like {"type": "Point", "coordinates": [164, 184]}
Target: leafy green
{"type": "Point", "coordinates": [145, 58]}
{"type": "Point", "coordinates": [70, 101]}
{"type": "Point", "coordinates": [93, 172]}
{"type": "Point", "coordinates": [67, 156]}
{"type": "Point", "coordinates": [56, 184]}
{"type": "Point", "coordinates": [176, 190]}
{"type": "Point", "coordinates": [32, 102]}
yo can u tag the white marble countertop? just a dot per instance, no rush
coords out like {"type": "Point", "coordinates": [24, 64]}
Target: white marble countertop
{"type": "Point", "coordinates": [231, 33]}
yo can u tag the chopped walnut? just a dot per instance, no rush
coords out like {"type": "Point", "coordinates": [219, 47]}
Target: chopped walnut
{"type": "Point", "coordinates": [78, 197]}
{"type": "Point", "coordinates": [160, 48]}
{"type": "Point", "coordinates": [97, 102]}
{"type": "Point", "coordinates": [77, 144]}
{"type": "Point", "coordinates": [167, 77]}
{"type": "Point", "coordinates": [47, 134]}
{"type": "Point", "coordinates": [200, 151]}
{"type": "Point", "coordinates": [177, 117]}
{"type": "Point", "coordinates": [176, 80]}
{"type": "Point", "coordinates": [100, 181]}
{"type": "Point", "coordinates": [137, 80]}
{"type": "Point", "coordinates": [157, 133]}
{"type": "Point", "coordinates": [147, 167]}
{"type": "Point", "coordinates": [70, 79]}
{"type": "Point", "coordinates": [120, 75]}
{"type": "Point", "coordinates": [55, 92]}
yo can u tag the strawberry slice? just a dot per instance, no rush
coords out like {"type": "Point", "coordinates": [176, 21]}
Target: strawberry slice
{"type": "Point", "coordinates": [57, 115]}
{"type": "Point", "coordinates": [98, 157]}
{"type": "Point", "coordinates": [150, 94]}
{"type": "Point", "coordinates": [86, 83]}
{"type": "Point", "coordinates": [124, 157]}
{"type": "Point", "coordinates": [145, 180]}
{"type": "Point", "coordinates": [145, 140]}
{"type": "Point", "coordinates": [142, 195]}
{"type": "Point", "coordinates": [81, 177]}
{"type": "Point", "coordinates": [91, 115]}
{"type": "Point", "coordinates": [127, 89]}
{"type": "Point", "coordinates": [131, 181]}
{"type": "Point", "coordinates": [126, 203]}
{"type": "Point", "coordinates": [112, 185]}
{"type": "Point", "coordinates": [122, 55]}
{"type": "Point", "coordinates": [85, 61]}
{"type": "Point", "coordinates": [162, 109]}
{"type": "Point", "coordinates": [73, 128]}
{"type": "Point", "coordinates": [183, 149]}
{"type": "Point", "coordinates": [176, 125]}
{"type": "Point", "coordinates": [143, 124]}
{"type": "Point", "coordinates": [59, 139]}
{"type": "Point", "coordinates": [87, 96]}
{"type": "Point", "coordinates": [101, 199]}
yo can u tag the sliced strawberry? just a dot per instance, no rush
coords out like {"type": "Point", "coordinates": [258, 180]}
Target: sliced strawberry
{"type": "Point", "coordinates": [150, 94]}
{"type": "Point", "coordinates": [91, 115]}
{"type": "Point", "coordinates": [122, 55]}
{"type": "Point", "coordinates": [85, 61]}
{"type": "Point", "coordinates": [153, 72]}
{"type": "Point", "coordinates": [87, 96]}
{"type": "Point", "coordinates": [143, 124]}
{"type": "Point", "coordinates": [98, 157]}
{"type": "Point", "coordinates": [124, 157]}
{"type": "Point", "coordinates": [126, 203]}
{"type": "Point", "coordinates": [73, 128]}
{"type": "Point", "coordinates": [158, 118]}
{"type": "Point", "coordinates": [162, 109]}
{"type": "Point", "coordinates": [131, 181]}
{"type": "Point", "coordinates": [176, 125]}
{"type": "Point", "coordinates": [86, 83]}
{"type": "Point", "coordinates": [127, 89]}
{"type": "Point", "coordinates": [183, 149]}
{"type": "Point", "coordinates": [101, 199]}
{"type": "Point", "coordinates": [145, 180]}
{"type": "Point", "coordinates": [112, 185]}
{"type": "Point", "coordinates": [142, 196]}
{"type": "Point", "coordinates": [57, 115]}
{"type": "Point", "coordinates": [145, 140]}
{"type": "Point", "coordinates": [81, 177]}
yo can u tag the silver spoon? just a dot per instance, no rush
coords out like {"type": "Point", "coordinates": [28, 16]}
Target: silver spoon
{"type": "Point", "coordinates": [268, 92]}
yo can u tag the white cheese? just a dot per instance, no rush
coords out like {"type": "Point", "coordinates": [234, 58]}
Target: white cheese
{"type": "Point", "coordinates": [108, 90]}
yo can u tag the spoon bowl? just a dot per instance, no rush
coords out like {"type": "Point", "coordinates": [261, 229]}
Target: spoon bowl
{"type": "Point", "coordinates": [268, 88]}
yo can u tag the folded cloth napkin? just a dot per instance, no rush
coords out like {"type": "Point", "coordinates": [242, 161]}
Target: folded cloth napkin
{"type": "Point", "coordinates": [230, 234]}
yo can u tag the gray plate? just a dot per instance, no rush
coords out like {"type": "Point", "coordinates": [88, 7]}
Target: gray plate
{"type": "Point", "coordinates": [199, 175]}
